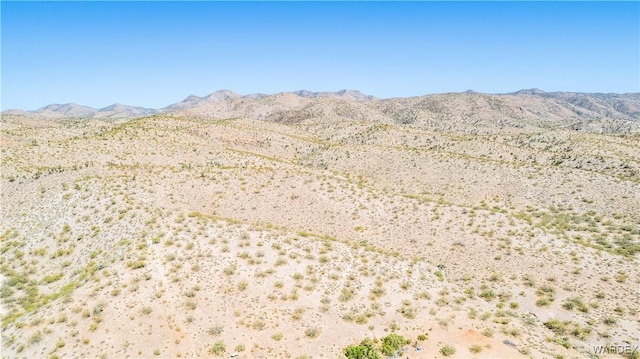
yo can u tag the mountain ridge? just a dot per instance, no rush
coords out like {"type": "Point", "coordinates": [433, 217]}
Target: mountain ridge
{"type": "Point", "coordinates": [516, 108]}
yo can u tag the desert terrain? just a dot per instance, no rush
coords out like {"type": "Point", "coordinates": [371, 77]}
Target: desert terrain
{"type": "Point", "coordinates": [295, 225]}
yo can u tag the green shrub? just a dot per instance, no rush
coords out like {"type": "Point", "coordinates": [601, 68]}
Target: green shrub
{"type": "Point", "coordinates": [392, 343]}
{"type": "Point", "coordinates": [577, 303]}
{"type": "Point", "coordinates": [543, 302]}
{"type": "Point", "coordinates": [488, 294]}
{"type": "Point", "coordinates": [366, 350]}
{"type": "Point", "coordinates": [347, 294]}
{"type": "Point", "coordinates": [218, 348]}
{"type": "Point", "coordinates": [137, 264]}
{"type": "Point", "coordinates": [447, 350]}
{"type": "Point", "coordinates": [52, 278]}
{"type": "Point", "coordinates": [556, 326]}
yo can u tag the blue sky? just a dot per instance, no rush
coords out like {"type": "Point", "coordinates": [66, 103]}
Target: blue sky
{"type": "Point", "coordinates": [156, 53]}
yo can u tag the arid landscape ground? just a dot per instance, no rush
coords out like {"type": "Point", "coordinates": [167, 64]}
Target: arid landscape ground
{"type": "Point", "coordinates": [296, 224]}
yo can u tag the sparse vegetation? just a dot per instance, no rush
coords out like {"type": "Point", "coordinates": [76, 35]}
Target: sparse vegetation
{"type": "Point", "coordinates": [267, 227]}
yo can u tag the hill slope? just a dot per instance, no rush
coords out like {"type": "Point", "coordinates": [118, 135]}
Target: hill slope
{"type": "Point", "coordinates": [467, 112]}
{"type": "Point", "coordinates": [310, 223]}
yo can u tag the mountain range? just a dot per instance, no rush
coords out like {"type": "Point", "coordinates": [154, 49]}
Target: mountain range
{"type": "Point", "coordinates": [517, 109]}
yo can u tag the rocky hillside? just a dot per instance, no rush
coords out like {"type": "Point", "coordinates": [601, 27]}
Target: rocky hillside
{"type": "Point", "coordinates": [469, 112]}
{"type": "Point", "coordinates": [297, 225]}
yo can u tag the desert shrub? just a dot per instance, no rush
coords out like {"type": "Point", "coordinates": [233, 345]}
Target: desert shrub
{"type": "Point", "coordinates": [98, 308]}
{"type": "Point", "coordinates": [242, 285]}
{"type": "Point", "coordinates": [543, 302]}
{"type": "Point", "coordinates": [528, 280]}
{"type": "Point", "coordinates": [347, 294]}
{"type": "Point", "coordinates": [556, 326]}
{"type": "Point", "coordinates": [562, 341]}
{"type": "Point", "coordinates": [577, 303]}
{"type": "Point", "coordinates": [407, 310]}
{"type": "Point", "coordinates": [366, 350]}
{"type": "Point", "coordinates": [447, 350]}
{"type": "Point", "coordinates": [546, 290]}
{"type": "Point", "coordinates": [35, 338]}
{"type": "Point", "coordinates": [312, 332]}
{"type": "Point", "coordinates": [218, 348]}
{"type": "Point", "coordinates": [137, 264]}
{"type": "Point", "coordinates": [378, 291]}
{"type": "Point", "coordinates": [230, 270]}
{"type": "Point", "coordinates": [297, 314]}
{"type": "Point", "coordinates": [52, 278]}
{"type": "Point", "coordinates": [215, 330]}
{"type": "Point", "coordinates": [488, 294]}
{"type": "Point", "coordinates": [487, 332]}
{"type": "Point", "coordinates": [392, 344]}
{"type": "Point", "coordinates": [581, 333]}
{"type": "Point", "coordinates": [190, 304]}
{"type": "Point", "coordinates": [259, 325]}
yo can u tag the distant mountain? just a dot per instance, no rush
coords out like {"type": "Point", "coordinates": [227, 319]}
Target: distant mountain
{"type": "Point", "coordinates": [468, 112]}
{"type": "Point", "coordinates": [72, 110]}
{"type": "Point", "coordinates": [255, 96]}
{"type": "Point", "coordinates": [222, 95]}
{"type": "Point", "coordinates": [65, 110]}
{"type": "Point", "coordinates": [123, 111]}
{"type": "Point", "coordinates": [593, 104]}
{"type": "Point", "coordinates": [194, 101]}
{"type": "Point", "coordinates": [15, 112]}
{"type": "Point", "coordinates": [348, 94]}
{"type": "Point", "coordinates": [532, 92]}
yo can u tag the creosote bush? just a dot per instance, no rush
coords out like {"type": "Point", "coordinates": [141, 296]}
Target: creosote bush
{"type": "Point", "coordinates": [447, 350]}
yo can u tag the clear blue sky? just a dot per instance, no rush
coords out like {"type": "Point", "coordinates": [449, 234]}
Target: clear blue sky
{"type": "Point", "coordinates": [156, 53]}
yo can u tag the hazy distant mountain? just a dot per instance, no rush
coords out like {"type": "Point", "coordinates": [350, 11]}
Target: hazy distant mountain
{"type": "Point", "coordinates": [348, 94]}
{"type": "Point", "coordinates": [532, 92]}
{"type": "Point", "coordinates": [222, 95]}
{"type": "Point", "coordinates": [15, 112]}
{"type": "Point", "coordinates": [468, 112]}
{"type": "Point", "coordinates": [254, 96]}
{"type": "Point", "coordinates": [123, 111]}
{"type": "Point", "coordinates": [194, 101]}
{"type": "Point", "coordinates": [72, 110]}
{"type": "Point", "coordinates": [593, 104]}
{"type": "Point", "coordinates": [65, 110]}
